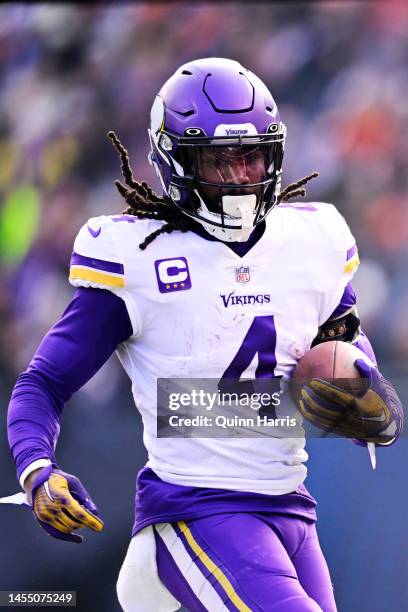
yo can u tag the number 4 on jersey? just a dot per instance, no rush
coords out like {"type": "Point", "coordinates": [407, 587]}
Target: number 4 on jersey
{"type": "Point", "coordinates": [261, 339]}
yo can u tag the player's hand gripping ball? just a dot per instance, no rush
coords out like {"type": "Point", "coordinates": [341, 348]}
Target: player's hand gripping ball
{"type": "Point", "coordinates": [61, 505]}
{"type": "Point", "coordinates": [340, 392]}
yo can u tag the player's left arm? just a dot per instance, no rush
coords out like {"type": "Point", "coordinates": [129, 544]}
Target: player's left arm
{"type": "Point", "coordinates": [374, 415]}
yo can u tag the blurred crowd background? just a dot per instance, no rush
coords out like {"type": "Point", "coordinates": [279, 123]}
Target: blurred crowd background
{"type": "Point", "coordinates": [68, 74]}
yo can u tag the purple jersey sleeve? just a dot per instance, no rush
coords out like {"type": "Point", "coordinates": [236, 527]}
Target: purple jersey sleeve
{"type": "Point", "coordinates": [364, 345]}
{"type": "Point", "coordinates": [348, 300]}
{"type": "Point", "coordinates": [93, 325]}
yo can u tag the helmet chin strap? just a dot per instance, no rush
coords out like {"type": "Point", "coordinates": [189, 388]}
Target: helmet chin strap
{"type": "Point", "coordinates": [241, 209]}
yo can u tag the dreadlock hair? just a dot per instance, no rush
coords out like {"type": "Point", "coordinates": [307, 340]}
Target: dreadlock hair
{"type": "Point", "coordinates": [144, 203]}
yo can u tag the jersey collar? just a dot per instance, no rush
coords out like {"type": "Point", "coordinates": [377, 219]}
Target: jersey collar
{"type": "Point", "coordinates": [239, 248]}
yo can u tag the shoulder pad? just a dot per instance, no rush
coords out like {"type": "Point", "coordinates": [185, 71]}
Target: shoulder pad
{"type": "Point", "coordinates": [95, 261]}
{"type": "Point", "coordinates": [334, 225]}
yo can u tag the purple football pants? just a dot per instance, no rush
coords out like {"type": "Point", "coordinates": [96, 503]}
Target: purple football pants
{"type": "Point", "coordinates": [262, 563]}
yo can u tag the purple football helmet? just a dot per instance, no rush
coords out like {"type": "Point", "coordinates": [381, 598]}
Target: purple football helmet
{"type": "Point", "coordinates": [217, 146]}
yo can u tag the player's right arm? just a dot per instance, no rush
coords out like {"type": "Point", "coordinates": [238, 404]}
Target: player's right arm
{"type": "Point", "coordinates": [93, 325]}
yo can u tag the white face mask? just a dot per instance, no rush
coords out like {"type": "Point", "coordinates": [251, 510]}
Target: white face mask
{"type": "Point", "coordinates": [240, 210]}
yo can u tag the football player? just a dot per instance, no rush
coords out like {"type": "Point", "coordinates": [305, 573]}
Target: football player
{"type": "Point", "coordinates": [219, 277]}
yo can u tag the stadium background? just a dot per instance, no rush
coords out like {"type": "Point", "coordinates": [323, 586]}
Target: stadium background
{"type": "Point", "coordinates": [67, 76]}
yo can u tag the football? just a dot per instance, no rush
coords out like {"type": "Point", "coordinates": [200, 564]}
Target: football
{"type": "Point", "coordinates": [334, 361]}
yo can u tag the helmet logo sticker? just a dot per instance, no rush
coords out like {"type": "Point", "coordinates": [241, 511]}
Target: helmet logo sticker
{"type": "Point", "coordinates": [236, 129]}
{"type": "Point", "coordinates": [157, 114]}
{"type": "Point", "coordinates": [172, 274]}
{"type": "Point", "coordinates": [236, 132]}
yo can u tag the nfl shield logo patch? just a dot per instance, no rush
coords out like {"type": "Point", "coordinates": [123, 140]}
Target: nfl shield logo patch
{"type": "Point", "coordinates": [242, 274]}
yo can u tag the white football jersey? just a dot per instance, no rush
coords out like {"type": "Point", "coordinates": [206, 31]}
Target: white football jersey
{"type": "Point", "coordinates": [192, 302]}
